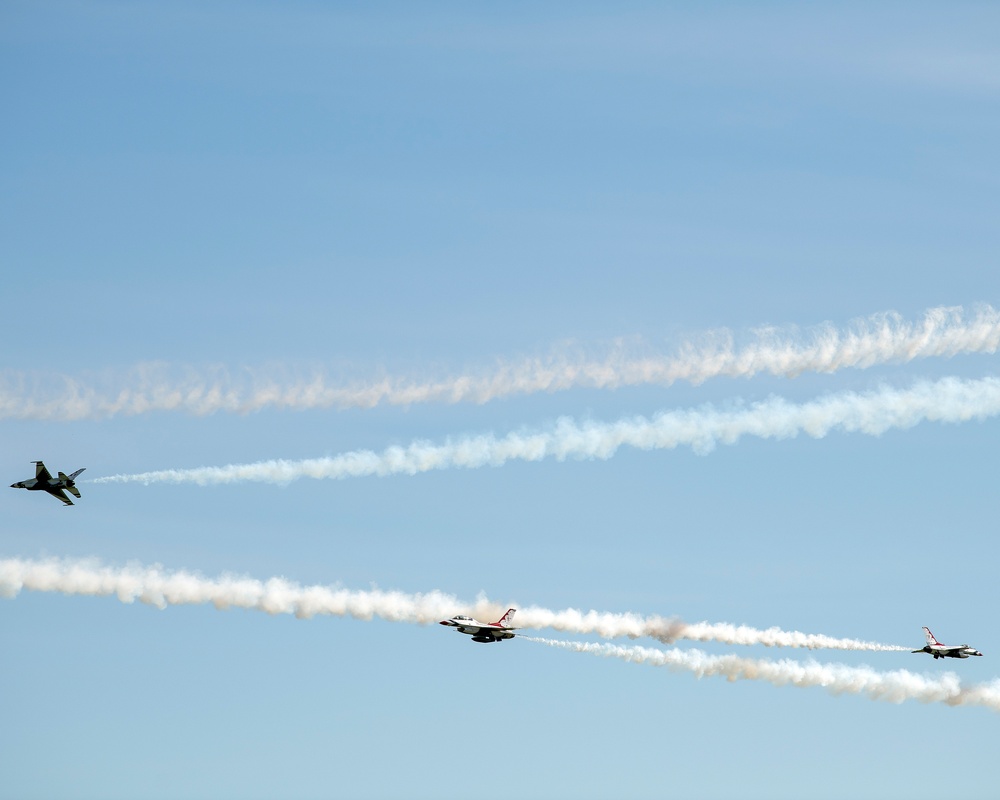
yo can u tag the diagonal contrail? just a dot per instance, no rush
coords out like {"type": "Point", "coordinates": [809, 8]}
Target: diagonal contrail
{"type": "Point", "coordinates": [871, 413]}
{"type": "Point", "coordinates": [159, 587]}
{"type": "Point", "coordinates": [878, 339]}
{"type": "Point", "coordinates": [893, 686]}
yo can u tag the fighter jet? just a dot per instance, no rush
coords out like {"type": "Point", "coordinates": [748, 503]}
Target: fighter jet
{"type": "Point", "coordinates": [44, 482]}
{"type": "Point", "coordinates": [938, 650]}
{"type": "Point", "coordinates": [484, 632]}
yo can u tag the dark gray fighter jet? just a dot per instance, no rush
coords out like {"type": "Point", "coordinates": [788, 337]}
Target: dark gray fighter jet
{"type": "Point", "coordinates": [44, 482]}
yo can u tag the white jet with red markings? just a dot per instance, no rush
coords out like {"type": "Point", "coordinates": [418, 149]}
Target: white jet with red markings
{"type": "Point", "coordinates": [484, 632]}
{"type": "Point", "coordinates": [938, 650]}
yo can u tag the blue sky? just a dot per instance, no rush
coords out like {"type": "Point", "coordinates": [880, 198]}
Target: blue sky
{"type": "Point", "coordinates": [425, 191]}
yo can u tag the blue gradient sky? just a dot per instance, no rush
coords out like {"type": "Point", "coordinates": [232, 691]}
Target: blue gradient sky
{"type": "Point", "coordinates": [423, 189]}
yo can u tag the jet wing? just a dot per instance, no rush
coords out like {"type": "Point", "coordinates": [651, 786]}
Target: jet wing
{"type": "Point", "coordinates": [41, 473]}
{"type": "Point", "coordinates": [948, 648]}
{"type": "Point", "coordinates": [55, 491]}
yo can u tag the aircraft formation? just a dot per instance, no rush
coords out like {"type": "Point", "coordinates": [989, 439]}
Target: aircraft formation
{"type": "Point", "coordinates": [488, 632]}
{"type": "Point", "coordinates": [482, 632]}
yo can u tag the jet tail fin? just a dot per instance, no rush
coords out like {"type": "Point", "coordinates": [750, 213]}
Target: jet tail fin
{"type": "Point", "coordinates": [930, 636]}
{"type": "Point", "coordinates": [506, 620]}
{"type": "Point", "coordinates": [73, 491]}
{"type": "Point", "coordinates": [72, 475]}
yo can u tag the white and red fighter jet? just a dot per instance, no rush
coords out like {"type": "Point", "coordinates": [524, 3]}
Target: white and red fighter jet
{"type": "Point", "coordinates": [938, 650]}
{"type": "Point", "coordinates": [484, 632]}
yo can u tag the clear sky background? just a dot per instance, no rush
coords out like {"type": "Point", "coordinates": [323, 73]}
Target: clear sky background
{"type": "Point", "coordinates": [423, 190]}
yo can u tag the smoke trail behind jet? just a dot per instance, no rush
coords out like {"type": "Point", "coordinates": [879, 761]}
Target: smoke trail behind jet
{"type": "Point", "coordinates": [871, 413]}
{"type": "Point", "coordinates": [879, 339]}
{"type": "Point", "coordinates": [894, 686]}
{"type": "Point", "coordinates": [161, 588]}
{"type": "Point", "coordinates": [670, 629]}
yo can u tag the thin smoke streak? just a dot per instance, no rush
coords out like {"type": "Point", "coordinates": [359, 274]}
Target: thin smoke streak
{"type": "Point", "coordinates": [878, 339]}
{"type": "Point", "coordinates": [894, 686]}
{"type": "Point", "coordinates": [871, 413]}
{"type": "Point", "coordinates": [161, 588]}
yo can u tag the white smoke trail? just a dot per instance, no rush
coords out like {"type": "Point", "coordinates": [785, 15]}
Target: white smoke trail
{"type": "Point", "coordinates": [879, 339]}
{"type": "Point", "coordinates": [670, 629]}
{"type": "Point", "coordinates": [894, 686]}
{"type": "Point", "coordinates": [871, 413]}
{"type": "Point", "coordinates": [159, 587]}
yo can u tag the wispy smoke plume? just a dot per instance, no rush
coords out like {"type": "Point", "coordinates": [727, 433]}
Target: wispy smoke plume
{"type": "Point", "coordinates": [878, 339]}
{"type": "Point", "coordinates": [893, 686]}
{"type": "Point", "coordinates": [871, 413]}
{"type": "Point", "coordinates": [159, 587]}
